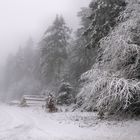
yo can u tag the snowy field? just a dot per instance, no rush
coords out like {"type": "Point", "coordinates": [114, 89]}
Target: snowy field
{"type": "Point", "coordinates": [34, 124]}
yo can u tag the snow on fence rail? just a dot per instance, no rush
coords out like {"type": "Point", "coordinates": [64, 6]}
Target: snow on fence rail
{"type": "Point", "coordinates": [32, 100]}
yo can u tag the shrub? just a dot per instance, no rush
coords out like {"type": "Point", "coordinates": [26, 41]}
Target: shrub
{"type": "Point", "coordinates": [120, 97]}
{"type": "Point", "coordinates": [65, 95]}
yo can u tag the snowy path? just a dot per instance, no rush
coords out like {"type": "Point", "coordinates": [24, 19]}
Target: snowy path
{"type": "Point", "coordinates": [24, 124]}
{"type": "Point", "coordinates": [30, 124]}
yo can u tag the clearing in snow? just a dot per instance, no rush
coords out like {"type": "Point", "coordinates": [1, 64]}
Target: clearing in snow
{"type": "Point", "coordinates": [34, 124]}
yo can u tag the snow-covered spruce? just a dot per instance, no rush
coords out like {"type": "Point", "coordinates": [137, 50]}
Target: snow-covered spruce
{"type": "Point", "coordinates": [112, 85]}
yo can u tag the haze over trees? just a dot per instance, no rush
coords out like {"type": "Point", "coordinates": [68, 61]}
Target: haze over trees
{"type": "Point", "coordinates": [100, 62]}
{"type": "Point", "coordinates": [54, 53]}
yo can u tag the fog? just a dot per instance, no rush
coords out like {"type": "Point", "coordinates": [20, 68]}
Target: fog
{"type": "Point", "coordinates": [70, 66]}
{"type": "Point", "coordinates": [20, 19]}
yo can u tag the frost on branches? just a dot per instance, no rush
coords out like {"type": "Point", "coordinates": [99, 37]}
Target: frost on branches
{"type": "Point", "coordinates": [113, 84]}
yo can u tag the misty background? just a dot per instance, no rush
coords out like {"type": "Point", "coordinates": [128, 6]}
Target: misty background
{"type": "Point", "coordinates": [21, 19]}
{"type": "Point", "coordinates": [85, 53]}
{"type": "Point", "coordinates": [29, 65]}
{"type": "Point", "coordinates": [73, 56]}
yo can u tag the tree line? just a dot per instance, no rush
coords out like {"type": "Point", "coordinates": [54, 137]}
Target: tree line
{"type": "Point", "coordinates": [101, 61]}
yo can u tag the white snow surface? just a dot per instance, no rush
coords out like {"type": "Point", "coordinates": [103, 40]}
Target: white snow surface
{"type": "Point", "coordinates": [18, 123]}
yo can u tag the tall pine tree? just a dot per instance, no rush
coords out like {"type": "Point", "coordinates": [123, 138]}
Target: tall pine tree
{"type": "Point", "coordinates": [53, 51]}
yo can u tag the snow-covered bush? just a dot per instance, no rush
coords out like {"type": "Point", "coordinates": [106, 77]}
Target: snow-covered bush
{"type": "Point", "coordinates": [120, 96]}
{"type": "Point", "coordinates": [96, 82]}
{"type": "Point", "coordinates": [65, 95]}
{"type": "Point", "coordinates": [109, 93]}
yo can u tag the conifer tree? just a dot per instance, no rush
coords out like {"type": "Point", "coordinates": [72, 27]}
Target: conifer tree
{"type": "Point", "coordinates": [54, 50]}
{"type": "Point", "coordinates": [104, 17]}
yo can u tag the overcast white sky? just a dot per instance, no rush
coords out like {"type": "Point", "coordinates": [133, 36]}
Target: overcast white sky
{"type": "Point", "coordinates": [20, 19]}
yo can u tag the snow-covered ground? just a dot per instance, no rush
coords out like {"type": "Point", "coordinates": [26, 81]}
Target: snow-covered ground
{"type": "Point", "coordinates": [34, 124]}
